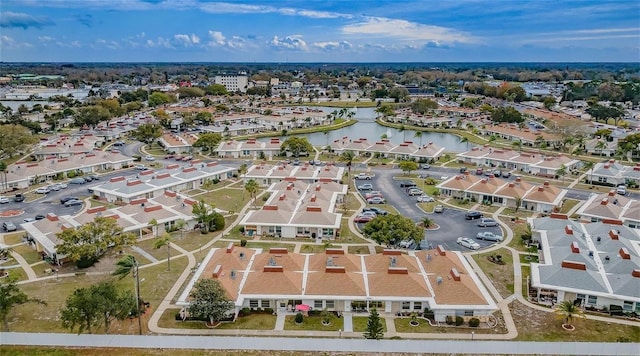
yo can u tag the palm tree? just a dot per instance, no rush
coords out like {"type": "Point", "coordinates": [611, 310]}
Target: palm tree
{"type": "Point", "coordinates": [562, 171]}
{"type": "Point", "coordinates": [588, 166]}
{"type": "Point", "coordinates": [404, 132]}
{"type": "Point", "coordinates": [426, 223]}
{"type": "Point", "coordinates": [567, 310]}
{"type": "Point", "coordinates": [601, 145]}
{"type": "Point", "coordinates": [251, 186]}
{"type": "Point", "coordinates": [517, 144]}
{"type": "Point", "coordinates": [347, 157]}
{"type": "Point", "coordinates": [129, 265]}
{"type": "Point", "coordinates": [154, 224]}
{"type": "Point", "coordinates": [164, 240]}
{"type": "Point", "coordinates": [419, 135]}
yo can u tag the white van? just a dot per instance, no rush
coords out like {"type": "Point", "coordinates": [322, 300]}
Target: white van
{"type": "Point", "coordinates": [622, 189]}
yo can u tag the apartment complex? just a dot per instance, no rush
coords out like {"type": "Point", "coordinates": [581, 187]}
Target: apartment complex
{"type": "Point", "coordinates": [233, 82]}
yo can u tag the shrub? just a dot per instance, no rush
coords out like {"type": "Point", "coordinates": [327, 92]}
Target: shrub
{"type": "Point", "coordinates": [215, 181]}
{"type": "Point", "coordinates": [137, 158]}
{"type": "Point", "coordinates": [449, 320]}
{"type": "Point", "coordinates": [299, 318]}
{"type": "Point", "coordinates": [245, 311]}
{"type": "Point", "coordinates": [86, 262]}
{"type": "Point", "coordinates": [268, 310]}
{"type": "Point", "coordinates": [266, 197]}
{"type": "Point", "coordinates": [71, 174]}
{"type": "Point", "coordinates": [428, 313]}
{"type": "Point", "coordinates": [459, 320]}
{"type": "Point", "coordinates": [474, 322]}
{"type": "Point", "coordinates": [218, 222]}
{"type": "Point", "coordinates": [243, 243]}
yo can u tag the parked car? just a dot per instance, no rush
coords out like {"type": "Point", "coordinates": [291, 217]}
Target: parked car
{"type": "Point", "coordinates": [506, 174]}
{"type": "Point", "coordinates": [368, 213]}
{"type": "Point", "coordinates": [296, 162]}
{"type": "Point", "coordinates": [363, 218]}
{"type": "Point", "coordinates": [55, 187]}
{"type": "Point", "coordinates": [66, 199]}
{"type": "Point", "coordinates": [425, 166]}
{"type": "Point", "coordinates": [488, 172]}
{"type": "Point", "coordinates": [405, 183]}
{"type": "Point", "coordinates": [4, 200]}
{"type": "Point", "coordinates": [425, 198]}
{"type": "Point", "coordinates": [463, 169]}
{"type": "Point", "coordinates": [486, 222]}
{"type": "Point", "coordinates": [118, 143]}
{"type": "Point", "coordinates": [621, 189]}
{"type": "Point", "coordinates": [63, 185]}
{"type": "Point", "coordinates": [468, 243]}
{"type": "Point", "coordinates": [39, 217]}
{"type": "Point", "coordinates": [438, 209]}
{"type": "Point", "coordinates": [169, 156]}
{"type": "Point", "coordinates": [376, 200]}
{"type": "Point", "coordinates": [187, 158]}
{"type": "Point", "coordinates": [470, 215]}
{"type": "Point", "coordinates": [373, 193]}
{"type": "Point", "coordinates": [414, 191]}
{"type": "Point", "coordinates": [479, 171]}
{"type": "Point", "coordinates": [378, 211]}
{"type": "Point", "coordinates": [178, 158]}
{"type": "Point", "coordinates": [497, 173]}
{"type": "Point", "coordinates": [94, 177]}
{"type": "Point", "coordinates": [19, 198]}
{"type": "Point", "coordinates": [43, 190]}
{"type": "Point", "coordinates": [87, 179]}
{"type": "Point", "coordinates": [149, 158]}
{"type": "Point", "coordinates": [73, 202]}
{"type": "Point", "coordinates": [28, 220]}
{"type": "Point", "coordinates": [488, 236]}
{"type": "Point", "coordinates": [366, 186]}
{"type": "Point", "coordinates": [78, 180]}
{"type": "Point", "coordinates": [140, 167]}
{"type": "Point", "coordinates": [362, 176]}
{"type": "Point", "coordinates": [9, 226]}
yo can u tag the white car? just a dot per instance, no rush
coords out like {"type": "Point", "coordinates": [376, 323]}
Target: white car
{"type": "Point", "coordinates": [425, 199]}
{"type": "Point", "coordinates": [43, 190]}
{"type": "Point", "coordinates": [468, 243]}
{"type": "Point", "coordinates": [140, 167]}
{"type": "Point", "coordinates": [63, 185]}
{"type": "Point", "coordinates": [488, 236]}
{"type": "Point", "coordinates": [55, 187]}
{"type": "Point", "coordinates": [149, 158]}
{"type": "Point", "coordinates": [4, 200]}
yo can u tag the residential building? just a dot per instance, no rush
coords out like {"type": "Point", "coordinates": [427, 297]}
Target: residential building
{"type": "Point", "coordinates": [150, 183]}
{"type": "Point", "coordinates": [296, 208]}
{"type": "Point", "coordinates": [611, 208]}
{"type": "Point", "coordinates": [251, 148]}
{"type": "Point", "coordinates": [384, 148]}
{"type": "Point", "coordinates": [544, 198]}
{"type": "Point", "coordinates": [613, 173]}
{"type": "Point", "coordinates": [233, 82]}
{"type": "Point", "coordinates": [594, 265]}
{"type": "Point", "coordinates": [65, 146]}
{"type": "Point", "coordinates": [392, 282]}
{"type": "Point", "coordinates": [267, 174]}
{"type": "Point", "coordinates": [134, 217]}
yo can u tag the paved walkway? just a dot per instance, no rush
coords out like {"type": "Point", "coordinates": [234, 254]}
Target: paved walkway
{"type": "Point", "coordinates": [144, 253]}
{"type": "Point", "coordinates": [280, 321]}
{"type": "Point", "coordinates": [320, 344]}
{"type": "Point", "coordinates": [347, 319]}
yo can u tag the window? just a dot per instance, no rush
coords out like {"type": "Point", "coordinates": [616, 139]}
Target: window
{"type": "Point", "coordinates": [265, 303]}
{"type": "Point", "coordinates": [417, 306]}
{"type": "Point", "coordinates": [593, 300]}
{"type": "Point", "coordinates": [329, 304]}
{"type": "Point", "coordinates": [628, 306]}
{"type": "Point", "coordinates": [637, 307]}
{"type": "Point", "coordinates": [468, 313]}
{"type": "Point", "coordinates": [406, 305]}
{"type": "Point", "coordinates": [253, 303]}
{"type": "Point", "coordinates": [317, 304]}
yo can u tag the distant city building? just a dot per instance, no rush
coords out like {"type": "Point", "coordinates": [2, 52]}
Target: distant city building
{"type": "Point", "coordinates": [233, 82]}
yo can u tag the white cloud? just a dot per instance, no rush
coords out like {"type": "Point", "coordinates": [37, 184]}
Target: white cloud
{"type": "Point", "coordinates": [217, 39]}
{"type": "Point", "coordinates": [7, 41]}
{"type": "Point", "coordinates": [293, 42]}
{"type": "Point", "coordinates": [231, 8]}
{"type": "Point", "coordinates": [110, 44]}
{"type": "Point", "coordinates": [406, 30]}
{"type": "Point", "coordinates": [186, 40]}
{"type": "Point", "coordinates": [45, 39]}
{"type": "Point", "coordinates": [333, 45]}
{"type": "Point", "coordinates": [159, 42]}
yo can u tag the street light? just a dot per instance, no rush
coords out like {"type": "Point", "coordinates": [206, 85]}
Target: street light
{"type": "Point", "coordinates": [472, 333]}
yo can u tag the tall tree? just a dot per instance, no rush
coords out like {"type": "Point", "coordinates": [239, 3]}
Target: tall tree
{"type": "Point", "coordinates": [391, 229]}
{"type": "Point", "coordinates": [347, 157]}
{"type": "Point", "coordinates": [128, 265]}
{"type": "Point", "coordinates": [208, 141]}
{"type": "Point", "coordinates": [164, 240]}
{"type": "Point", "coordinates": [252, 187]}
{"type": "Point", "coordinates": [90, 241]}
{"type": "Point", "coordinates": [419, 134]}
{"type": "Point", "coordinates": [205, 215]}
{"type": "Point", "coordinates": [296, 145]}
{"type": "Point", "coordinates": [101, 302]}
{"type": "Point", "coordinates": [567, 311]}
{"type": "Point", "coordinates": [209, 300]}
{"type": "Point", "coordinates": [15, 139]}
{"type": "Point", "coordinates": [10, 296]}
{"type": "Point", "coordinates": [147, 132]}
{"type": "Point", "coordinates": [408, 166]}
{"type": "Point", "coordinates": [375, 330]}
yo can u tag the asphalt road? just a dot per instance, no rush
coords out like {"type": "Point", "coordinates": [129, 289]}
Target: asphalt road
{"type": "Point", "coordinates": [452, 223]}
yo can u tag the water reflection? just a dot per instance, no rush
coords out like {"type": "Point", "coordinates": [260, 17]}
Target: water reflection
{"type": "Point", "coordinates": [367, 128]}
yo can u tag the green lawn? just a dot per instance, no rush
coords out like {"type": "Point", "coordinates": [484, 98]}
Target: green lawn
{"type": "Point", "coordinates": [358, 250]}
{"type": "Point", "coordinates": [568, 205]}
{"type": "Point", "coordinates": [500, 275]}
{"type": "Point", "coordinates": [45, 318]}
{"type": "Point", "coordinates": [168, 320]}
{"type": "Point", "coordinates": [306, 248]}
{"type": "Point", "coordinates": [265, 246]}
{"type": "Point", "coordinates": [360, 324]}
{"type": "Point", "coordinates": [17, 273]}
{"type": "Point", "coordinates": [158, 253]}
{"type": "Point", "coordinates": [28, 253]}
{"type": "Point", "coordinates": [228, 199]}
{"type": "Point", "coordinates": [13, 238]}
{"type": "Point", "coordinates": [252, 322]}
{"type": "Point", "coordinates": [403, 326]}
{"type": "Point", "coordinates": [346, 236]}
{"type": "Point", "coordinates": [313, 323]}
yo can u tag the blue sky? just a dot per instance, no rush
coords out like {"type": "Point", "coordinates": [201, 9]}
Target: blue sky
{"type": "Point", "coordinates": [319, 31]}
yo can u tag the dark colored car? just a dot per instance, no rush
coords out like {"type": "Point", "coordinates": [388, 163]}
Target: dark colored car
{"type": "Point", "coordinates": [39, 217]}
{"type": "Point", "coordinates": [19, 198]}
{"type": "Point", "coordinates": [73, 202]}
{"type": "Point", "coordinates": [66, 199]}
{"type": "Point", "coordinates": [470, 215]}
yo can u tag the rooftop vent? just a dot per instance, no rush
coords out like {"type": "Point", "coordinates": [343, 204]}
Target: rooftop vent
{"type": "Point", "coordinates": [439, 280]}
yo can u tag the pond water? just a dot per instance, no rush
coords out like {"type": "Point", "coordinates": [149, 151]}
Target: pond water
{"type": "Point", "coordinates": [366, 127]}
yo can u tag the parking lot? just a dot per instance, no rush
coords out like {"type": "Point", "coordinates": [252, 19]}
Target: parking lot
{"type": "Point", "coordinates": [452, 223]}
